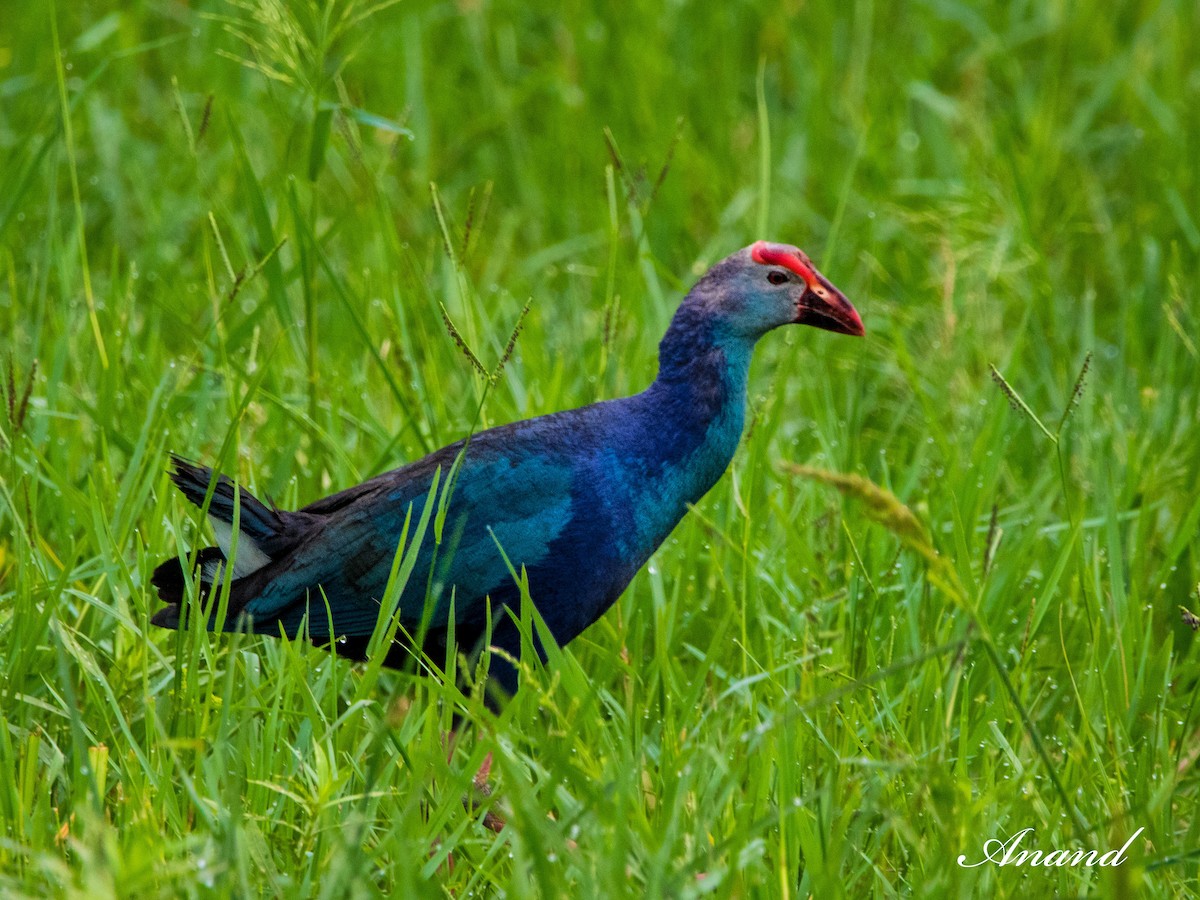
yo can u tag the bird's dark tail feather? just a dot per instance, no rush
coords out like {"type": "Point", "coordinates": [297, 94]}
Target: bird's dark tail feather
{"type": "Point", "coordinates": [258, 520]}
{"type": "Point", "coordinates": [260, 532]}
{"type": "Point", "coordinates": [169, 581]}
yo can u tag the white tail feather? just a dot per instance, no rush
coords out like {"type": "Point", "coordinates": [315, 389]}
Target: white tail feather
{"type": "Point", "coordinates": [250, 557]}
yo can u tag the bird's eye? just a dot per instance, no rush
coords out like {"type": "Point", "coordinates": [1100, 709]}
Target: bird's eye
{"type": "Point", "coordinates": [776, 277]}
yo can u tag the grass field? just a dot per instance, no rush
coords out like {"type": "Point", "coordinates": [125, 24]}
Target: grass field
{"type": "Point", "coordinates": [227, 230]}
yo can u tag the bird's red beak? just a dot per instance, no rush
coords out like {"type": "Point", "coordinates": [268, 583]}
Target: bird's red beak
{"type": "Point", "coordinates": [824, 306]}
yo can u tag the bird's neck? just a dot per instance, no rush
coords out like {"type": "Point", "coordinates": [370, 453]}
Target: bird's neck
{"type": "Point", "coordinates": [696, 407]}
{"type": "Point", "coordinates": [702, 370]}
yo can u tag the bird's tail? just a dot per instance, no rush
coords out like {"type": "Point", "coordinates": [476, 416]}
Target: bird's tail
{"type": "Point", "coordinates": [259, 528]}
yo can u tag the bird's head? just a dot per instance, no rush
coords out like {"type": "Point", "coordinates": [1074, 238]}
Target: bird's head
{"type": "Point", "coordinates": [767, 285]}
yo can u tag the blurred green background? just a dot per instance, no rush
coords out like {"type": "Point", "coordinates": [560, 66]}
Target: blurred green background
{"type": "Point", "coordinates": [229, 229]}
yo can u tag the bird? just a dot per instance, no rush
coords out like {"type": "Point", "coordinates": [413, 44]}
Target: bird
{"type": "Point", "coordinates": [577, 500]}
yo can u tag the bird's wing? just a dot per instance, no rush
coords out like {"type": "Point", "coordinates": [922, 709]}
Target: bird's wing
{"type": "Point", "coordinates": [500, 505]}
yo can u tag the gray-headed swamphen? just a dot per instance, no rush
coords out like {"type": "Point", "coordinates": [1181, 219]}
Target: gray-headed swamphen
{"type": "Point", "coordinates": [580, 499]}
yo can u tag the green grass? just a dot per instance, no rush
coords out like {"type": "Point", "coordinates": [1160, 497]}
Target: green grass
{"type": "Point", "coordinates": [245, 264]}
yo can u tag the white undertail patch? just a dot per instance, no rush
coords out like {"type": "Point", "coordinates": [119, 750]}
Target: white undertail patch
{"type": "Point", "coordinates": [250, 557]}
{"type": "Point", "coordinates": [210, 572]}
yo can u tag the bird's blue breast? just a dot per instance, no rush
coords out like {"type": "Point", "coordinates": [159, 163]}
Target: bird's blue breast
{"type": "Point", "coordinates": [662, 451]}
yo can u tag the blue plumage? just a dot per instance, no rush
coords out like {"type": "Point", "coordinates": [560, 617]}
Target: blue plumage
{"type": "Point", "coordinates": [580, 498]}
